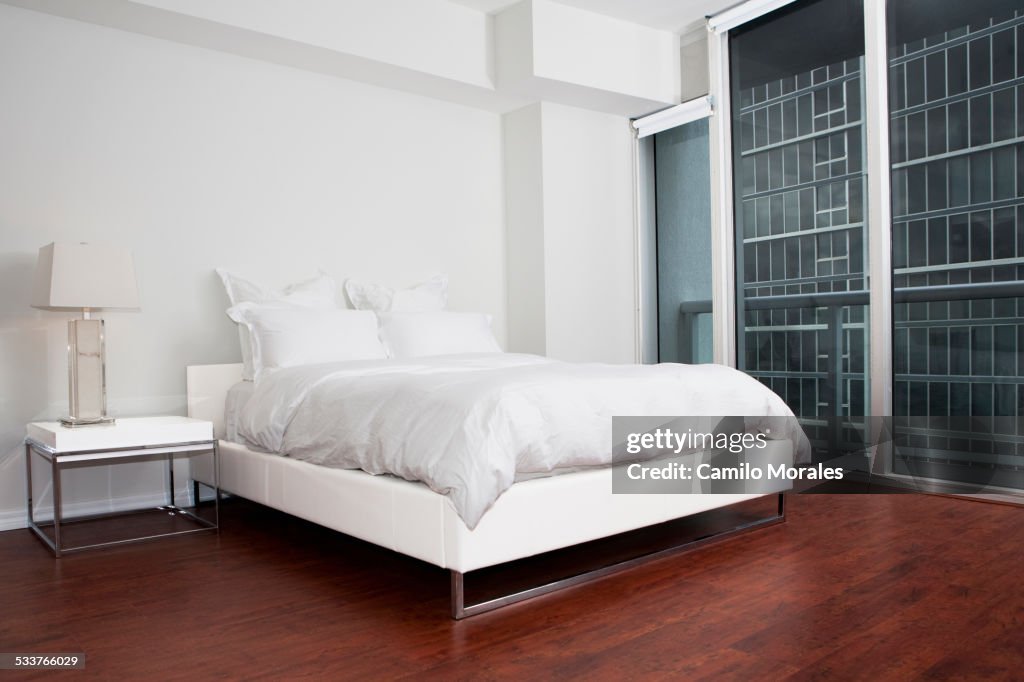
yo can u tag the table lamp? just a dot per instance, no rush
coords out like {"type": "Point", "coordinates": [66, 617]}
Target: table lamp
{"type": "Point", "coordinates": [85, 278]}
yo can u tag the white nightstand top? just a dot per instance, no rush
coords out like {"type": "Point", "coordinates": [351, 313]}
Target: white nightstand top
{"type": "Point", "coordinates": [129, 432]}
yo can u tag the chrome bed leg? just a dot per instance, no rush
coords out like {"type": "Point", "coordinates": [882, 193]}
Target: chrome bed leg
{"type": "Point", "coordinates": [458, 595]}
{"type": "Point", "coordinates": [461, 610]}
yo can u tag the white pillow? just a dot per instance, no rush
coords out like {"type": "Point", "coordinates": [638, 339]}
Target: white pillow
{"type": "Point", "coordinates": [430, 296]}
{"type": "Point", "coordinates": [318, 292]}
{"type": "Point", "coordinates": [287, 335]}
{"type": "Point", "coordinates": [414, 335]}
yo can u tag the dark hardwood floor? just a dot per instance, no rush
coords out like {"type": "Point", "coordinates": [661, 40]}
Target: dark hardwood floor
{"type": "Point", "coordinates": [892, 587]}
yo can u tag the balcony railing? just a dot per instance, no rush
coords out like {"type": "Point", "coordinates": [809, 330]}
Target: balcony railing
{"type": "Point", "coordinates": [834, 302]}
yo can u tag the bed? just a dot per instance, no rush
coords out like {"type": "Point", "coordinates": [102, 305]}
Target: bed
{"type": "Point", "coordinates": [531, 516]}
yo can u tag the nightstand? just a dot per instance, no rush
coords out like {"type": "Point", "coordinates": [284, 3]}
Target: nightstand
{"type": "Point", "coordinates": [127, 440]}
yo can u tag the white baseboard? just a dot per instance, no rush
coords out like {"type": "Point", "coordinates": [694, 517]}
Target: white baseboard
{"type": "Point", "coordinates": [12, 519]}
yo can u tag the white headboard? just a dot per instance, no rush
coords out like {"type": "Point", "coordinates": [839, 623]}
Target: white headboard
{"type": "Point", "coordinates": [206, 387]}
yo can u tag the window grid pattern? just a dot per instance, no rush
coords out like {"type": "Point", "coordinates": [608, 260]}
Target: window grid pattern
{"type": "Point", "coordinates": [957, 134]}
{"type": "Point", "coordinates": [957, 138]}
{"type": "Point", "coordinates": [802, 212]}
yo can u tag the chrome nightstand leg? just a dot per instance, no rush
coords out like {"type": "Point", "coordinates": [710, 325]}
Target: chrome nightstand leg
{"type": "Point", "coordinates": [52, 543]}
{"type": "Point", "coordinates": [57, 545]}
{"type": "Point", "coordinates": [170, 479]}
{"type": "Point", "coordinates": [216, 484]}
{"type": "Point", "coordinates": [28, 482]}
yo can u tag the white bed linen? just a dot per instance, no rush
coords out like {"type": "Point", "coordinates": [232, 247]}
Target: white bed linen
{"type": "Point", "coordinates": [238, 396]}
{"type": "Point", "coordinates": [465, 425]}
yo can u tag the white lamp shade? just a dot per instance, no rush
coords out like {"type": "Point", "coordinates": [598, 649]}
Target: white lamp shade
{"type": "Point", "coordinates": [78, 276]}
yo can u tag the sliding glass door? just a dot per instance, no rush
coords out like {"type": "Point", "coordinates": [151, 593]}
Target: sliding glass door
{"type": "Point", "coordinates": [955, 171]}
{"type": "Point", "coordinates": [799, 182]}
{"type": "Point", "coordinates": [682, 171]}
{"type": "Point", "coordinates": [956, 76]}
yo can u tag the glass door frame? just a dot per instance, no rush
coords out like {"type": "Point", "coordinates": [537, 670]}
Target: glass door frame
{"type": "Point", "coordinates": [879, 208]}
{"type": "Point", "coordinates": [645, 232]}
{"type": "Point", "coordinates": [878, 212]}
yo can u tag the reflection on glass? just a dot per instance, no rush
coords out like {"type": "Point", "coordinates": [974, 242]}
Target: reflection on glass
{"type": "Point", "coordinates": [801, 250]}
{"type": "Point", "coordinates": [683, 210]}
{"type": "Point", "coordinates": [956, 98]}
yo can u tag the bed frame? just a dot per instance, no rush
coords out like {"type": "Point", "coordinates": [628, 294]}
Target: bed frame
{"type": "Point", "coordinates": [532, 517]}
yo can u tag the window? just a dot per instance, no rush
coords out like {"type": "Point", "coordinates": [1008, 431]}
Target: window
{"type": "Point", "coordinates": [951, 306]}
{"type": "Point", "coordinates": [956, 99]}
{"type": "Point", "coordinates": [798, 163]}
{"type": "Point", "coordinates": [683, 218]}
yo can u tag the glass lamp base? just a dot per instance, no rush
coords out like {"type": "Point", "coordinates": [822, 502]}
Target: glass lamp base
{"type": "Point", "coordinates": [87, 385]}
{"type": "Point", "coordinates": [73, 423]}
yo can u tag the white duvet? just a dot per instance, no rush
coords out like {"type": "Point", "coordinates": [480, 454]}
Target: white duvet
{"type": "Point", "coordinates": [467, 425]}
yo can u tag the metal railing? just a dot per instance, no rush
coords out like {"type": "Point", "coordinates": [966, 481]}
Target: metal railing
{"type": "Point", "coordinates": [834, 302]}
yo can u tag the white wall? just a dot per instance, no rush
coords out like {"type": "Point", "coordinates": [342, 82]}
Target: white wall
{"type": "Point", "coordinates": [551, 52]}
{"type": "Point", "coordinates": [588, 235]}
{"type": "Point", "coordinates": [524, 221]}
{"type": "Point", "coordinates": [531, 51]}
{"type": "Point", "coordinates": [440, 38]}
{"type": "Point", "coordinates": [571, 261]}
{"type": "Point", "coordinates": [693, 67]}
{"type": "Point", "coordinates": [588, 49]}
{"type": "Point", "coordinates": [197, 159]}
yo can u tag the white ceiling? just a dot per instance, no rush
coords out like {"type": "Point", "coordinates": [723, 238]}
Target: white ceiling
{"type": "Point", "coordinates": [678, 16]}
